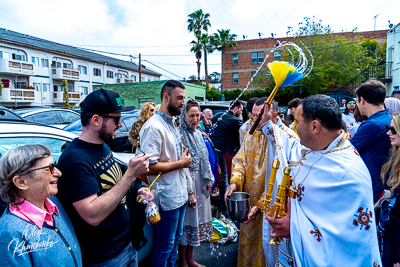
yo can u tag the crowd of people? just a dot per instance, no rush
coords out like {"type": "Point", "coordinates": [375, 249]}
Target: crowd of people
{"type": "Point", "coordinates": [345, 168]}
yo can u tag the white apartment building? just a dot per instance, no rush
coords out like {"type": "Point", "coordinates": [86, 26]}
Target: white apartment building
{"type": "Point", "coordinates": [393, 59]}
{"type": "Point", "coordinates": [32, 71]}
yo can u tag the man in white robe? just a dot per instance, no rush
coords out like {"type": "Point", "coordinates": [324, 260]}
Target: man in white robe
{"type": "Point", "coordinates": [331, 222]}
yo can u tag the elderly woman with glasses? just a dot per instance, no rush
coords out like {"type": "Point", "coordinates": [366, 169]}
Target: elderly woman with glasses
{"type": "Point", "coordinates": [146, 112]}
{"type": "Point", "coordinates": [35, 230]}
{"type": "Point", "coordinates": [389, 220]}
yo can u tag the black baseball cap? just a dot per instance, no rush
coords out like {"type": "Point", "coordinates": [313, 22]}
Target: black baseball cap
{"type": "Point", "coordinates": [103, 101]}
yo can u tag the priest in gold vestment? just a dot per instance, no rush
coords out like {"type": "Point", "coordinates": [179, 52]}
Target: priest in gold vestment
{"type": "Point", "coordinates": [248, 175]}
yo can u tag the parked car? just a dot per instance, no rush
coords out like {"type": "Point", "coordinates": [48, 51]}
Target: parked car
{"type": "Point", "coordinates": [17, 133]}
{"type": "Point", "coordinates": [56, 117]}
{"type": "Point", "coordinates": [121, 142]}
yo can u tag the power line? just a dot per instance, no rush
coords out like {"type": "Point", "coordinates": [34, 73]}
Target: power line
{"type": "Point", "coordinates": [163, 69]}
{"type": "Point", "coordinates": [130, 46]}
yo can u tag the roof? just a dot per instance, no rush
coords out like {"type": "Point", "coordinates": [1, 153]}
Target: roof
{"type": "Point", "coordinates": [41, 44]}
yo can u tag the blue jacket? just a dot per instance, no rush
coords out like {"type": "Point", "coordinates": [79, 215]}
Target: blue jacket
{"type": "Point", "coordinates": [22, 243]}
{"type": "Point", "coordinates": [373, 144]}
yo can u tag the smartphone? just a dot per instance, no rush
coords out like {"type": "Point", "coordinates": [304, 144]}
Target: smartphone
{"type": "Point", "coordinates": [139, 152]}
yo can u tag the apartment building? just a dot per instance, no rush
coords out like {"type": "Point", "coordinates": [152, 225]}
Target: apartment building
{"type": "Point", "coordinates": [240, 63]}
{"type": "Point", "coordinates": [393, 59]}
{"type": "Point", "coordinates": [32, 71]}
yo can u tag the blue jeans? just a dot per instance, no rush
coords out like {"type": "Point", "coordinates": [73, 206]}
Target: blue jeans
{"type": "Point", "coordinates": [224, 174]}
{"type": "Point", "coordinates": [128, 257]}
{"type": "Point", "coordinates": [168, 236]}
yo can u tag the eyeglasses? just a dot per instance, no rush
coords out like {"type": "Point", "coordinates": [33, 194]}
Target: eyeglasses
{"type": "Point", "coordinates": [392, 129]}
{"type": "Point", "coordinates": [51, 168]}
{"type": "Point", "coordinates": [352, 102]}
{"type": "Point", "coordinates": [116, 118]}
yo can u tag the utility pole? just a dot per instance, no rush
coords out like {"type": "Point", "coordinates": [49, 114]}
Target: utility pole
{"type": "Point", "coordinates": [375, 21]}
{"type": "Point", "coordinates": [140, 68]}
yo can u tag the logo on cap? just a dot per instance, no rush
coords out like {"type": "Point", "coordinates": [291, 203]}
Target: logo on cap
{"type": "Point", "coordinates": [119, 102]}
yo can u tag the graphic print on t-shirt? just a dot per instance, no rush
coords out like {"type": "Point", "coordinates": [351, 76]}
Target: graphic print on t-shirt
{"type": "Point", "coordinates": [110, 174]}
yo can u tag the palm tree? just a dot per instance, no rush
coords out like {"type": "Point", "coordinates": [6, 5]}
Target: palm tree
{"type": "Point", "coordinates": [221, 40]}
{"type": "Point", "coordinates": [198, 22]}
{"type": "Point", "coordinates": [208, 47]}
{"type": "Point", "coordinates": [196, 48]}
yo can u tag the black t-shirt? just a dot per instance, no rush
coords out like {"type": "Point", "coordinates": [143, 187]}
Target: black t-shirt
{"type": "Point", "coordinates": [89, 169]}
{"type": "Point", "coordinates": [226, 132]}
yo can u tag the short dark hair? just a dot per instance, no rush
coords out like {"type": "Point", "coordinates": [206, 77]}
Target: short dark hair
{"type": "Point", "coordinates": [250, 104]}
{"type": "Point", "coordinates": [236, 103]}
{"type": "Point", "coordinates": [85, 118]}
{"type": "Point", "coordinates": [395, 93]}
{"type": "Point", "coordinates": [170, 86]}
{"type": "Point", "coordinates": [373, 91]}
{"type": "Point", "coordinates": [324, 109]}
{"type": "Point", "coordinates": [262, 100]}
{"type": "Point", "coordinates": [294, 103]}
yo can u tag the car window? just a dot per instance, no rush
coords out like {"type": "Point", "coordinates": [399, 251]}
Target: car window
{"type": "Point", "coordinates": [29, 118]}
{"type": "Point", "coordinates": [68, 117]}
{"type": "Point", "coordinates": [57, 146]}
{"type": "Point", "coordinates": [128, 123]}
{"type": "Point", "coordinates": [46, 117]}
{"type": "Point", "coordinates": [75, 126]}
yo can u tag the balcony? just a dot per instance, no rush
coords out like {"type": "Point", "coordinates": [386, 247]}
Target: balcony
{"type": "Point", "coordinates": [74, 97]}
{"type": "Point", "coordinates": [7, 95]}
{"type": "Point", "coordinates": [120, 80]}
{"type": "Point", "coordinates": [65, 74]}
{"type": "Point", "coordinates": [20, 68]}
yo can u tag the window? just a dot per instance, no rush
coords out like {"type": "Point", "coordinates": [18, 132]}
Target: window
{"type": "Point", "coordinates": [35, 60]}
{"type": "Point", "coordinates": [6, 83]}
{"type": "Point", "coordinates": [260, 57]}
{"type": "Point", "coordinates": [57, 88]}
{"type": "Point", "coordinates": [68, 117]}
{"type": "Point", "coordinates": [142, 101]}
{"type": "Point", "coordinates": [37, 86]}
{"type": "Point", "coordinates": [84, 90]}
{"type": "Point", "coordinates": [110, 74]}
{"type": "Point", "coordinates": [257, 57]}
{"type": "Point", "coordinates": [45, 63]}
{"type": "Point", "coordinates": [18, 57]}
{"type": "Point", "coordinates": [133, 78]}
{"type": "Point", "coordinates": [118, 75]}
{"type": "Point", "coordinates": [58, 64]}
{"type": "Point", "coordinates": [235, 59]}
{"type": "Point", "coordinates": [82, 69]}
{"type": "Point", "coordinates": [20, 85]}
{"type": "Point", "coordinates": [235, 77]}
{"type": "Point", "coordinates": [46, 87]}
{"type": "Point", "coordinates": [277, 56]}
{"type": "Point", "coordinates": [96, 72]}
{"type": "Point", "coordinates": [48, 117]}
{"type": "Point", "coordinates": [198, 98]}
{"type": "Point", "coordinates": [67, 66]}
{"type": "Point", "coordinates": [70, 88]}
{"type": "Point", "coordinates": [4, 54]}
{"type": "Point", "coordinates": [125, 76]}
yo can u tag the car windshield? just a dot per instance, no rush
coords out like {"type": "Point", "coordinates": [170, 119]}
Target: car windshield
{"type": "Point", "coordinates": [57, 146]}
{"type": "Point", "coordinates": [75, 126]}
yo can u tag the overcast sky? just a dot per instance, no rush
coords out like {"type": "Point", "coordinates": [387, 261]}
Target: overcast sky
{"type": "Point", "coordinates": [158, 28]}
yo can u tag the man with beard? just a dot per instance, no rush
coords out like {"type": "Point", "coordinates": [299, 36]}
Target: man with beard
{"type": "Point", "coordinates": [226, 142]}
{"type": "Point", "coordinates": [161, 139]}
{"type": "Point", "coordinates": [348, 116]}
{"type": "Point", "coordinates": [92, 188]}
{"type": "Point", "coordinates": [330, 221]}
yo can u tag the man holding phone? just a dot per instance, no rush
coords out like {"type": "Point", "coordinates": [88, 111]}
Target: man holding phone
{"type": "Point", "coordinates": [92, 188]}
{"type": "Point", "coordinates": [160, 138]}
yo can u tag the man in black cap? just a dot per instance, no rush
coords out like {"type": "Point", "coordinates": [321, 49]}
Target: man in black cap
{"type": "Point", "coordinates": [92, 188]}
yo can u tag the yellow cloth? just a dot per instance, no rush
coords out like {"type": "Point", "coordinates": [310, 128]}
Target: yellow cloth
{"type": "Point", "coordinates": [248, 173]}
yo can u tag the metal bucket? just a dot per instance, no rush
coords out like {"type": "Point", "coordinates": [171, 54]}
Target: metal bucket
{"type": "Point", "coordinates": [238, 206]}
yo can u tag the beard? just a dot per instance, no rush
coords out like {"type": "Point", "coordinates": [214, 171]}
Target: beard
{"type": "Point", "coordinates": [173, 110]}
{"type": "Point", "coordinates": [105, 134]}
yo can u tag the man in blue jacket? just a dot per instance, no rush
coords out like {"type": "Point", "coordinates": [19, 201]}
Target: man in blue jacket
{"type": "Point", "coordinates": [370, 139]}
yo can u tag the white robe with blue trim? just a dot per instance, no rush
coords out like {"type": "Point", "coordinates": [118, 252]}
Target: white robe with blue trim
{"type": "Point", "coordinates": [332, 219]}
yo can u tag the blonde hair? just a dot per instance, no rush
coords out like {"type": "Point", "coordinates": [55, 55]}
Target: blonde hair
{"type": "Point", "coordinates": [145, 113]}
{"type": "Point", "coordinates": [393, 164]}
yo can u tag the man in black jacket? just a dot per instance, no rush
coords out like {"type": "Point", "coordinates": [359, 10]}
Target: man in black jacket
{"type": "Point", "coordinates": [226, 141]}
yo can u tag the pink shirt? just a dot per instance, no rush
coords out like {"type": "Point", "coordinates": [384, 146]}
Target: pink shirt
{"type": "Point", "coordinates": [31, 213]}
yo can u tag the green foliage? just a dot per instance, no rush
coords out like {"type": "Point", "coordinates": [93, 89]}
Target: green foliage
{"type": "Point", "coordinates": [374, 50]}
{"type": "Point", "coordinates": [213, 95]}
{"type": "Point", "coordinates": [1, 86]}
{"type": "Point", "coordinates": [223, 38]}
{"type": "Point", "coordinates": [64, 84]}
{"type": "Point", "coordinates": [215, 77]}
